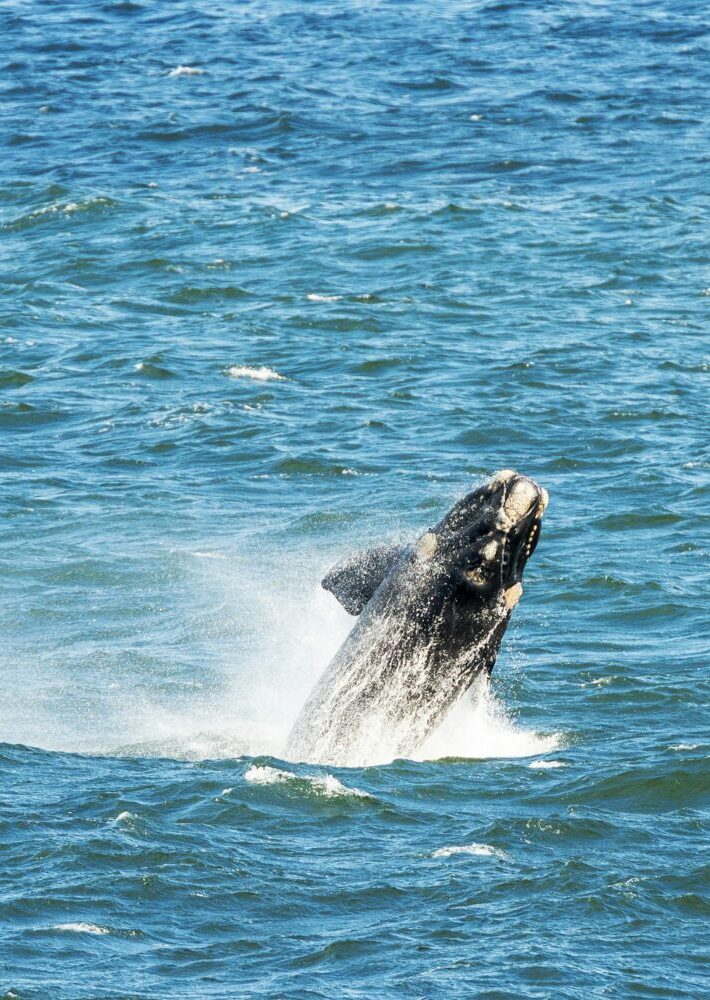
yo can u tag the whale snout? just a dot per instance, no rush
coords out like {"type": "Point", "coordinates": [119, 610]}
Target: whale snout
{"type": "Point", "coordinates": [520, 504]}
{"type": "Point", "coordinates": [516, 497]}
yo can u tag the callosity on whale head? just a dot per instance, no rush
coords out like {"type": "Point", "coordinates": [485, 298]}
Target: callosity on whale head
{"type": "Point", "coordinates": [431, 618]}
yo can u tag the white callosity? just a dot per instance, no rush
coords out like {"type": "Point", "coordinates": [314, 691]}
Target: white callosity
{"type": "Point", "coordinates": [520, 499]}
{"type": "Point", "coordinates": [512, 595]}
{"type": "Point", "coordinates": [427, 546]}
{"type": "Point", "coordinates": [490, 551]}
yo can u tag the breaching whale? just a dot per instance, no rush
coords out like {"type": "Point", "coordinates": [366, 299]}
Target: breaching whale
{"type": "Point", "coordinates": [431, 619]}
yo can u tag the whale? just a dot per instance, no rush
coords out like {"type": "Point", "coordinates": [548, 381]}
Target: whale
{"type": "Point", "coordinates": [430, 619]}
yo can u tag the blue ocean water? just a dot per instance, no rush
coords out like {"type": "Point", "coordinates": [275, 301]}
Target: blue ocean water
{"type": "Point", "coordinates": [281, 279]}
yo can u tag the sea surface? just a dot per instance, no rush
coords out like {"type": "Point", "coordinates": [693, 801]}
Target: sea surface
{"type": "Point", "coordinates": [282, 279]}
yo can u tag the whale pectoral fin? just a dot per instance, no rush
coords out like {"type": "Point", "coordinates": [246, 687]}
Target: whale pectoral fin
{"type": "Point", "coordinates": [354, 580]}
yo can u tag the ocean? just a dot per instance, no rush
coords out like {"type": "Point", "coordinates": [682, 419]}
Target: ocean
{"type": "Point", "coordinates": [282, 280]}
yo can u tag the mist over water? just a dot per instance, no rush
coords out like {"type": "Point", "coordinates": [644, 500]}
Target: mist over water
{"type": "Point", "coordinates": [281, 281]}
{"type": "Point", "coordinates": [266, 630]}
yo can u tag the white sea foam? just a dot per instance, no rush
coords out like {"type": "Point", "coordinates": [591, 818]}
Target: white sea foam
{"type": "Point", "coordinates": [545, 765]}
{"type": "Point", "coordinates": [314, 297]}
{"type": "Point", "coordinates": [684, 746]}
{"type": "Point", "coordinates": [69, 207]}
{"type": "Point", "coordinates": [81, 928]}
{"type": "Point", "coordinates": [258, 775]}
{"type": "Point", "coordinates": [124, 817]}
{"type": "Point", "coordinates": [186, 71]}
{"type": "Point", "coordinates": [257, 374]}
{"type": "Point", "coordinates": [327, 785]}
{"type": "Point", "coordinates": [480, 850]}
{"type": "Point", "coordinates": [479, 727]}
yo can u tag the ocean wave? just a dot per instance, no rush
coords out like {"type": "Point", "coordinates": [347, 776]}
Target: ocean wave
{"type": "Point", "coordinates": [262, 374]}
{"type": "Point", "coordinates": [81, 928]}
{"type": "Point", "coordinates": [479, 850]}
{"type": "Point", "coordinates": [59, 210]}
{"type": "Point", "coordinates": [186, 71]}
{"type": "Point", "coordinates": [326, 785]}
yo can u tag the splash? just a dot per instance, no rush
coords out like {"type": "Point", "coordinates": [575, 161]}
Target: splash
{"type": "Point", "coordinates": [280, 636]}
{"type": "Point", "coordinates": [480, 727]}
{"type": "Point", "coordinates": [258, 632]}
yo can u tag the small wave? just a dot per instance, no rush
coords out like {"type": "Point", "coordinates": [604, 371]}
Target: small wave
{"type": "Point", "coordinates": [257, 374]}
{"type": "Point", "coordinates": [81, 928]}
{"type": "Point", "coordinates": [58, 210]}
{"type": "Point", "coordinates": [313, 297]}
{"type": "Point", "coordinates": [12, 378]}
{"type": "Point", "coordinates": [313, 467]}
{"type": "Point", "coordinates": [480, 850]}
{"type": "Point", "coordinates": [186, 71]}
{"type": "Point", "coordinates": [152, 368]}
{"type": "Point", "coordinates": [684, 746]}
{"type": "Point", "coordinates": [545, 765]}
{"type": "Point", "coordinates": [326, 785]}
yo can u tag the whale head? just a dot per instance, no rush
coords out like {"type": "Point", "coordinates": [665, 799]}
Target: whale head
{"type": "Point", "coordinates": [486, 539]}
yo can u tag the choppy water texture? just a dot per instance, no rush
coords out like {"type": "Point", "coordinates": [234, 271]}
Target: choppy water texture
{"type": "Point", "coordinates": [281, 279]}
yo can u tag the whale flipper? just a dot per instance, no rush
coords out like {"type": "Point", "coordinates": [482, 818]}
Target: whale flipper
{"type": "Point", "coordinates": [354, 580]}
